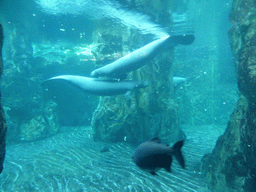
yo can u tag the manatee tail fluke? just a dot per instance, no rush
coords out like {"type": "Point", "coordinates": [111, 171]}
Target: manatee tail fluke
{"type": "Point", "coordinates": [177, 153]}
{"type": "Point", "coordinates": [185, 39]}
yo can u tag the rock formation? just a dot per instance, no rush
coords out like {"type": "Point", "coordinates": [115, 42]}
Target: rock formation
{"type": "Point", "coordinates": [231, 166]}
{"type": "Point", "coordinates": [3, 126]}
{"type": "Point", "coordinates": [152, 111]}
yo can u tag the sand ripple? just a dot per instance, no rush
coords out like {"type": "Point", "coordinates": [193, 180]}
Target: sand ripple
{"type": "Point", "coordinates": [72, 162]}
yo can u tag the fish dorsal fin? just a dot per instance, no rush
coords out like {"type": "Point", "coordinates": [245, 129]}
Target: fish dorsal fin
{"type": "Point", "coordinates": [155, 139]}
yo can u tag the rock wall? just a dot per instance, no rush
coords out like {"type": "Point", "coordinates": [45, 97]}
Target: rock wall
{"type": "Point", "coordinates": [3, 126]}
{"type": "Point", "coordinates": [31, 112]}
{"type": "Point", "coordinates": [231, 166]}
{"type": "Point", "coordinates": [224, 168]}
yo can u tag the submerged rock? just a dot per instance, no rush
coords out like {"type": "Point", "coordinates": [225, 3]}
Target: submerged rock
{"type": "Point", "coordinates": [23, 97]}
{"type": "Point", "coordinates": [40, 126]}
{"type": "Point", "coordinates": [231, 166]}
{"type": "Point", "coordinates": [3, 127]}
{"type": "Point", "coordinates": [220, 167]}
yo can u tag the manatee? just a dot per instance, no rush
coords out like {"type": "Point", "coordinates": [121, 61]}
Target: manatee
{"type": "Point", "coordinates": [140, 57]}
{"type": "Point", "coordinates": [97, 86]}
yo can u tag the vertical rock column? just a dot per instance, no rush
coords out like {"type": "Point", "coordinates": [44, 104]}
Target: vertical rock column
{"type": "Point", "coordinates": [152, 111]}
{"type": "Point", "coordinates": [231, 166]}
{"type": "Point", "coordinates": [2, 116]}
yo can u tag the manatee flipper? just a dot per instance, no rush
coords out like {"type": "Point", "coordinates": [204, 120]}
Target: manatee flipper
{"type": "Point", "coordinates": [128, 98]}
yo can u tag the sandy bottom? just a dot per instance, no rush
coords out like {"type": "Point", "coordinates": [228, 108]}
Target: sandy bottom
{"type": "Point", "coordinates": [72, 162]}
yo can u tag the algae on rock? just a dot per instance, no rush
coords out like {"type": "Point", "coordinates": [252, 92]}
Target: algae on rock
{"type": "Point", "coordinates": [220, 167]}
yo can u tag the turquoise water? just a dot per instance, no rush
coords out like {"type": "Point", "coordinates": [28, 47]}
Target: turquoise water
{"type": "Point", "coordinates": [62, 33]}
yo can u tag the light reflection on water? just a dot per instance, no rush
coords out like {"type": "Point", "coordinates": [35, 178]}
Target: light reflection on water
{"type": "Point", "coordinates": [98, 9]}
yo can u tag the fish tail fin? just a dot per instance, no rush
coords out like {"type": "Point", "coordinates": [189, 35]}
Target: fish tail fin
{"type": "Point", "coordinates": [177, 153]}
{"type": "Point", "coordinates": [184, 39]}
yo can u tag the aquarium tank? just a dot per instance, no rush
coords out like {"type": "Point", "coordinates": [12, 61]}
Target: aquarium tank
{"type": "Point", "coordinates": [128, 95]}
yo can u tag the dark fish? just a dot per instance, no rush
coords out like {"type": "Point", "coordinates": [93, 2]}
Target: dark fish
{"type": "Point", "coordinates": [152, 155]}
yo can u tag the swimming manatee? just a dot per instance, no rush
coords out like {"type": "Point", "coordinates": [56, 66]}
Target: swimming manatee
{"type": "Point", "coordinates": [140, 57]}
{"type": "Point", "coordinates": [97, 86]}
